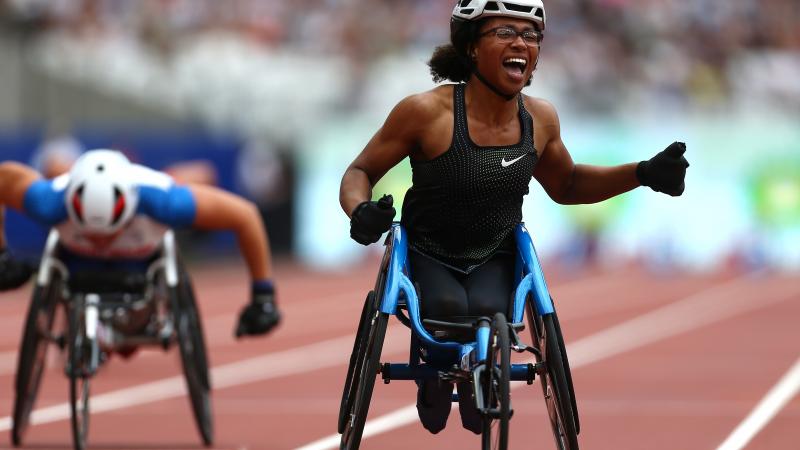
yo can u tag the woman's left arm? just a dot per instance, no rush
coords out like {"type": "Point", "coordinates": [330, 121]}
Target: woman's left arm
{"type": "Point", "coordinates": [569, 183]}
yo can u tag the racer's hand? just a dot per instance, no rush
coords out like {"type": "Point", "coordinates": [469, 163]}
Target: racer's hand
{"type": "Point", "coordinates": [666, 171]}
{"type": "Point", "coordinates": [260, 316]}
{"type": "Point", "coordinates": [371, 219]}
{"type": "Point", "coordinates": [13, 272]}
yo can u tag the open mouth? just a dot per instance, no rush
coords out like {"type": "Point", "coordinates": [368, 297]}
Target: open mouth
{"type": "Point", "coordinates": [515, 67]}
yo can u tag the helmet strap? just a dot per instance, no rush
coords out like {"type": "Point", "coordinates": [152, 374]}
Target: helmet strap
{"type": "Point", "coordinates": [491, 86]}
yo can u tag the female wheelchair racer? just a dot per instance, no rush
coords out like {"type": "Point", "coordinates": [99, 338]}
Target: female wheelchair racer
{"type": "Point", "coordinates": [108, 211]}
{"type": "Point", "coordinates": [474, 355]}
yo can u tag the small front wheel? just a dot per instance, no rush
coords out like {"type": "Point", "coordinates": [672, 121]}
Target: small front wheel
{"type": "Point", "coordinates": [495, 386]}
{"type": "Point", "coordinates": [81, 368]}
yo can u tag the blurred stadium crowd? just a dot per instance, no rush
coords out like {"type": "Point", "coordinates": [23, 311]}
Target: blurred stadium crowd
{"type": "Point", "coordinates": [632, 74]}
{"type": "Point", "coordinates": [599, 53]}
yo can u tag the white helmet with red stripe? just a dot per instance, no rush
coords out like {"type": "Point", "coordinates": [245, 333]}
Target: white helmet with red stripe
{"type": "Point", "coordinates": [102, 195]}
{"type": "Point", "coordinates": [472, 10]}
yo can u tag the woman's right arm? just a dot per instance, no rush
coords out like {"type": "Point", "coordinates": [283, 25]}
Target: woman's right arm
{"type": "Point", "coordinates": [391, 144]}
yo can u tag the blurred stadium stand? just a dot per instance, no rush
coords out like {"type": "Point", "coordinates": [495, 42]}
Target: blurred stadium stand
{"type": "Point", "coordinates": [316, 78]}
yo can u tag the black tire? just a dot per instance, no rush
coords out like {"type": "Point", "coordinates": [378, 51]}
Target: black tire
{"type": "Point", "coordinates": [80, 372]}
{"type": "Point", "coordinates": [194, 359]}
{"type": "Point", "coordinates": [33, 349]}
{"type": "Point", "coordinates": [366, 373]}
{"type": "Point", "coordinates": [356, 360]}
{"type": "Point", "coordinates": [495, 385]}
{"type": "Point", "coordinates": [556, 384]}
{"type": "Point", "coordinates": [371, 305]}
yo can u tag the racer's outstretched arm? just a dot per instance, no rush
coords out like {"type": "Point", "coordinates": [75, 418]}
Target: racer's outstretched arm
{"type": "Point", "coordinates": [15, 179]}
{"type": "Point", "coordinates": [217, 209]}
{"type": "Point", "coordinates": [569, 183]}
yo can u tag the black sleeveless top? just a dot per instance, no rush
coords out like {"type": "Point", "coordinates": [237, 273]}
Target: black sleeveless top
{"type": "Point", "coordinates": [463, 205]}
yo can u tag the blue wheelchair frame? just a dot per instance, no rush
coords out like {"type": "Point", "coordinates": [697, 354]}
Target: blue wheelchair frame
{"type": "Point", "coordinates": [530, 284]}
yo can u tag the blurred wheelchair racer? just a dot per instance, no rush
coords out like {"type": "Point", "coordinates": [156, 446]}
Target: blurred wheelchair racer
{"type": "Point", "coordinates": [107, 209]}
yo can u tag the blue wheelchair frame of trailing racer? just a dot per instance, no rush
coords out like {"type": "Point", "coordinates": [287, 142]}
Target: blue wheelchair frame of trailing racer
{"type": "Point", "coordinates": [452, 360]}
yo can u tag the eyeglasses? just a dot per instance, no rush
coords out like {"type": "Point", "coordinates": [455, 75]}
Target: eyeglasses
{"type": "Point", "coordinates": [532, 38]}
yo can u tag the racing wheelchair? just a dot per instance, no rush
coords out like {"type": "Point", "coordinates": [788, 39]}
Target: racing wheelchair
{"type": "Point", "coordinates": [437, 353]}
{"type": "Point", "coordinates": [106, 312]}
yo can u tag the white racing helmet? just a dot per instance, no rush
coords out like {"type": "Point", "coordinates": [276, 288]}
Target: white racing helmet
{"type": "Point", "coordinates": [471, 10]}
{"type": "Point", "coordinates": [101, 195]}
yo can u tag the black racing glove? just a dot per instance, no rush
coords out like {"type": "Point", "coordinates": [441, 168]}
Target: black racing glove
{"type": "Point", "coordinates": [666, 171]}
{"type": "Point", "coordinates": [371, 219]}
{"type": "Point", "coordinates": [261, 315]}
{"type": "Point", "coordinates": [13, 272]}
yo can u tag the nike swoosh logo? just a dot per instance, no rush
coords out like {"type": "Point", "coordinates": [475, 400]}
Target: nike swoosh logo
{"type": "Point", "coordinates": [505, 163]}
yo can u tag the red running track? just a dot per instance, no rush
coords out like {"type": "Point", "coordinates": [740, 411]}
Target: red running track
{"type": "Point", "coordinates": [659, 362]}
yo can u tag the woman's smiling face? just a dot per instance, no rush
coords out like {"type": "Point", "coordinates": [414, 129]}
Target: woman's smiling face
{"type": "Point", "coordinates": [506, 52]}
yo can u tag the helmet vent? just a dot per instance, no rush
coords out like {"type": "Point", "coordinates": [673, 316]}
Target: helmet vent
{"type": "Point", "coordinates": [100, 168]}
{"type": "Point", "coordinates": [518, 8]}
{"type": "Point", "coordinates": [467, 11]}
{"type": "Point", "coordinates": [77, 203]}
{"type": "Point", "coordinates": [119, 205]}
{"type": "Point", "coordinates": [491, 6]}
{"type": "Point", "coordinates": [539, 13]}
{"type": "Point", "coordinates": [464, 3]}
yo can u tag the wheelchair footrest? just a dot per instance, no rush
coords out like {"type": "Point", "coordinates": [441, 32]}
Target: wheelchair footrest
{"type": "Point", "coordinates": [523, 372]}
{"type": "Point", "coordinates": [391, 372]}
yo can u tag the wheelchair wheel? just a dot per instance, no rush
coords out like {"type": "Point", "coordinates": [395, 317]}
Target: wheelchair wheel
{"type": "Point", "coordinates": [193, 355]}
{"type": "Point", "coordinates": [31, 359]}
{"type": "Point", "coordinates": [555, 380]}
{"type": "Point", "coordinates": [80, 372]}
{"type": "Point", "coordinates": [364, 379]}
{"type": "Point", "coordinates": [495, 386]}
{"type": "Point", "coordinates": [356, 360]}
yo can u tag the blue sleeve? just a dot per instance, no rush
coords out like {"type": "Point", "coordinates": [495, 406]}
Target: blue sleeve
{"type": "Point", "coordinates": [174, 207]}
{"type": "Point", "coordinates": [45, 204]}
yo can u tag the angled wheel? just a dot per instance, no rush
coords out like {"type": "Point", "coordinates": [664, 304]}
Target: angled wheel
{"type": "Point", "coordinates": [365, 372]}
{"type": "Point", "coordinates": [371, 305]}
{"type": "Point", "coordinates": [80, 372]}
{"type": "Point", "coordinates": [555, 379]}
{"type": "Point", "coordinates": [31, 359]}
{"type": "Point", "coordinates": [356, 361]}
{"type": "Point", "coordinates": [495, 387]}
{"type": "Point", "coordinates": [194, 360]}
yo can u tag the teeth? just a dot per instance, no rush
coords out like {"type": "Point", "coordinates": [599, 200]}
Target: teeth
{"type": "Point", "coordinates": [516, 60]}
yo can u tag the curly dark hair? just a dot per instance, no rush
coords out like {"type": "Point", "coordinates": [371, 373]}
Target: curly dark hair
{"type": "Point", "coordinates": [452, 61]}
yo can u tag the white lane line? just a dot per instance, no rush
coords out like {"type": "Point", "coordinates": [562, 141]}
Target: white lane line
{"type": "Point", "coordinates": [769, 406]}
{"type": "Point", "coordinates": [740, 295]}
{"type": "Point", "coordinates": [319, 355]}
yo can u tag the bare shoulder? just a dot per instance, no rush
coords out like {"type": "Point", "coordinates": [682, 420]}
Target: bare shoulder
{"type": "Point", "coordinates": [543, 112]}
{"type": "Point", "coordinates": [428, 104]}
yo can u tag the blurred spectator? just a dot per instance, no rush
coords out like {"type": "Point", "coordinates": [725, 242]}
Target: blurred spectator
{"type": "Point", "coordinates": [265, 174]}
{"type": "Point", "coordinates": [56, 155]}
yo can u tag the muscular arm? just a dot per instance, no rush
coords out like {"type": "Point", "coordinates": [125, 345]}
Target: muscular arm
{"type": "Point", "coordinates": [217, 209]}
{"type": "Point", "coordinates": [398, 136]}
{"type": "Point", "coordinates": [569, 183]}
{"type": "Point", "coordinates": [15, 179]}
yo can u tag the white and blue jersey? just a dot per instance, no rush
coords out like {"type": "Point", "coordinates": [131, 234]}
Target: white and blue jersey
{"type": "Point", "coordinates": [162, 205]}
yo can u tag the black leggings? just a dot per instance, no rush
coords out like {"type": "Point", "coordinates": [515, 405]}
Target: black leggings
{"type": "Point", "coordinates": [447, 294]}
